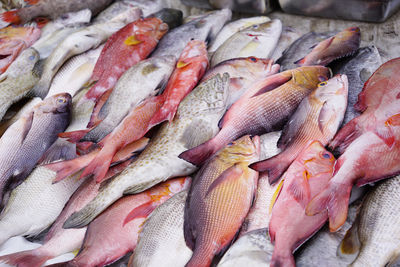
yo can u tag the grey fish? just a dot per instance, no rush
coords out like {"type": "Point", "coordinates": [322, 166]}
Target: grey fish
{"type": "Point", "coordinates": [24, 142]}
{"type": "Point", "coordinates": [173, 17]}
{"type": "Point", "coordinates": [300, 48]}
{"type": "Point", "coordinates": [196, 121]}
{"type": "Point", "coordinates": [112, 11]}
{"type": "Point", "coordinates": [136, 84]}
{"type": "Point", "coordinates": [203, 28]}
{"type": "Point", "coordinates": [288, 36]}
{"type": "Point", "coordinates": [358, 69]}
{"type": "Point", "coordinates": [161, 241]}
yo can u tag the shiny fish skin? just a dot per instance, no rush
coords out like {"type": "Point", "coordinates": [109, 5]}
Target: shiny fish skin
{"type": "Point", "coordinates": [288, 36]}
{"type": "Point", "coordinates": [196, 120]}
{"type": "Point", "coordinates": [258, 41]}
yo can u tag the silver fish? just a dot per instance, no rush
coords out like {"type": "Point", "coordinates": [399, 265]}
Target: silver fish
{"type": "Point", "coordinates": [196, 120]}
{"type": "Point", "coordinates": [136, 84]}
{"type": "Point", "coordinates": [161, 242]}
{"type": "Point", "coordinates": [258, 40]}
{"type": "Point", "coordinates": [288, 36]}
{"type": "Point", "coordinates": [112, 11]}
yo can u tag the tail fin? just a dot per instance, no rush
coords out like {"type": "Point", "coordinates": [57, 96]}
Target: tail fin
{"type": "Point", "coordinates": [6, 18]}
{"type": "Point", "coordinates": [95, 118]}
{"type": "Point", "coordinates": [201, 258]}
{"type": "Point", "coordinates": [282, 259]}
{"type": "Point", "coordinates": [274, 167]}
{"type": "Point", "coordinates": [100, 164]}
{"type": "Point", "coordinates": [74, 136]}
{"type": "Point", "coordinates": [346, 136]}
{"type": "Point", "coordinates": [163, 114]}
{"type": "Point", "coordinates": [30, 258]}
{"type": "Point", "coordinates": [198, 155]}
{"type": "Point", "coordinates": [335, 198]}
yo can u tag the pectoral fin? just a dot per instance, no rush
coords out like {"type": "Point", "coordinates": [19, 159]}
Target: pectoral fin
{"type": "Point", "coordinates": [229, 175]}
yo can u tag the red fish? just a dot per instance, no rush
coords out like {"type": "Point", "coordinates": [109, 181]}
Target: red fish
{"type": "Point", "coordinates": [13, 40]}
{"type": "Point", "coordinates": [290, 226]}
{"type": "Point", "coordinates": [263, 108]}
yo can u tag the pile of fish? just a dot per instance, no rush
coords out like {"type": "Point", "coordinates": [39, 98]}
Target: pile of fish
{"type": "Point", "coordinates": [212, 142]}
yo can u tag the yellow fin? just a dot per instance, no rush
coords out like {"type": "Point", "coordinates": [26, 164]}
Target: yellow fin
{"type": "Point", "coordinates": [132, 40]}
{"type": "Point", "coordinates": [181, 64]}
{"type": "Point", "coordinates": [75, 252]}
{"type": "Point", "coordinates": [275, 196]}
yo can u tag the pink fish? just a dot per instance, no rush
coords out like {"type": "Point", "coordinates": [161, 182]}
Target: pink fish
{"type": "Point", "coordinates": [290, 226]}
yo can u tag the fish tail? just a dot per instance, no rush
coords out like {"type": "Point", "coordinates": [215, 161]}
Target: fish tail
{"type": "Point", "coordinates": [198, 155]}
{"type": "Point", "coordinates": [74, 136]}
{"type": "Point", "coordinates": [346, 136]}
{"type": "Point", "coordinates": [95, 118]}
{"type": "Point", "coordinates": [84, 148]}
{"type": "Point", "coordinates": [274, 167]}
{"type": "Point", "coordinates": [30, 258]}
{"type": "Point", "coordinates": [334, 198]}
{"type": "Point", "coordinates": [8, 17]}
{"type": "Point", "coordinates": [66, 168]}
{"type": "Point", "coordinates": [282, 258]}
{"type": "Point", "coordinates": [100, 164]}
{"type": "Point", "coordinates": [202, 257]}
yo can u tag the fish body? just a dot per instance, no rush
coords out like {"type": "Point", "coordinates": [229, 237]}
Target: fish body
{"type": "Point", "coordinates": [115, 232]}
{"type": "Point", "coordinates": [203, 28]}
{"type": "Point", "coordinates": [78, 42]}
{"type": "Point", "coordinates": [243, 72]}
{"type": "Point", "coordinates": [50, 8]}
{"type": "Point", "coordinates": [161, 241]}
{"type": "Point", "coordinates": [233, 27]}
{"type": "Point", "coordinates": [289, 226]}
{"type": "Point", "coordinates": [113, 10]}
{"type": "Point", "coordinates": [196, 121]}
{"type": "Point", "coordinates": [288, 36]}
{"type": "Point", "coordinates": [318, 117]}
{"type": "Point", "coordinates": [262, 109]}
{"type": "Point", "coordinates": [258, 40]}
{"type": "Point", "coordinates": [358, 69]}
{"type": "Point", "coordinates": [13, 40]}
{"type": "Point", "coordinates": [24, 143]}
{"type": "Point", "coordinates": [213, 212]}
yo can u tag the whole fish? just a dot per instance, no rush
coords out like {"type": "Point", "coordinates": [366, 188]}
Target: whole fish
{"type": "Point", "coordinates": [203, 28]}
{"type": "Point", "coordinates": [78, 42]}
{"type": "Point", "coordinates": [243, 72]}
{"type": "Point", "coordinates": [24, 142]}
{"type": "Point", "coordinates": [318, 118]}
{"type": "Point", "coordinates": [196, 121]}
{"type": "Point", "coordinates": [373, 240]}
{"type": "Point", "coordinates": [288, 36]}
{"type": "Point", "coordinates": [59, 241]}
{"type": "Point", "coordinates": [115, 232]}
{"type": "Point", "coordinates": [370, 144]}
{"type": "Point", "coordinates": [136, 84]}
{"type": "Point", "coordinates": [233, 27]}
{"type": "Point", "coordinates": [132, 43]}
{"type": "Point", "coordinates": [258, 40]}
{"type": "Point", "coordinates": [289, 226]}
{"type": "Point", "coordinates": [13, 40]}
{"type": "Point", "coordinates": [358, 69]}
{"type": "Point", "coordinates": [213, 211]}
{"type": "Point", "coordinates": [342, 44]}
{"type": "Point", "coordinates": [161, 241]}
{"type": "Point", "coordinates": [262, 109]}
{"type": "Point", "coordinates": [75, 73]}
{"type": "Point", "coordinates": [50, 8]}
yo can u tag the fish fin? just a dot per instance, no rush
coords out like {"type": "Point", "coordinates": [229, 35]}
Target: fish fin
{"type": "Point", "coordinates": [196, 133]}
{"type": "Point", "coordinates": [31, 2]}
{"type": "Point", "coordinates": [346, 136]}
{"type": "Point", "coordinates": [361, 104]}
{"type": "Point", "coordinates": [141, 211]}
{"type": "Point", "coordinates": [99, 166]}
{"type": "Point", "coordinates": [273, 82]}
{"type": "Point", "coordinates": [65, 168]}
{"type": "Point", "coordinates": [393, 120]}
{"type": "Point", "coordinates": [59, 150]}
{"type": "Point", "coordinates": [97, 116]}
{"type": "Point", "coordinates": [27, 125]}
{"type": "Point", "coordinates": [274, 166]}
{"type": "Point", "coordinates": [335, 199]}
{"type": "Point", "coordinates": [386, 134]}
{"type": "Point", "coordinates": [199, 154]}
{"type": "Point", "coordinates": [300, 190]}
{"type": "Point", "coordinates": [229, 175]}
{"type": "Point", "coordinates": [322, 117]}
{"type": "Point", "coordinates": [276, 195]}
{"type": "Point", "coordinates": [188, 234]}
{"type": "Point", "coordinates": [8, 17]}
{"type": "Point", "coordinates": [83, 148]}
{"type": "Point", "coordinates": [31, 258]}
{"type": "Point", "coordinates": [300, 62]}
{"type": "Point", "coordinates": [74, 136]}
{"type": "Point", "coordinates": [350, 246]}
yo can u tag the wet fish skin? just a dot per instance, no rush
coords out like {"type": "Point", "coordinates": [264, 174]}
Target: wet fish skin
{"type": "Point", "coordinates": [161, 241]}
{"type": "Point", "coordinates": [213, 213]}
{"type": "Point", "coordinates": [115, 233]}
{"type": "Point", "coordinates": [258, 40]}
{"type": "Point", "coordinates": [262, 109]}
{"type": "Point", "coordinates": [204, 28]}
{"type": "Point", "coordinates": [233, 27]}
{"type": "Point", "coordinates": [196, 120]}
{"type": "Point", "coordinates": [318, 117]}
{"type": "Point", "coordinates": [171, 16]}
{"type": "Point", "coordinates": [358, 69]}
{"type": "Point", "coordinates": [288, 36]}
{"type": "Point", "coordinates": [113, 10]}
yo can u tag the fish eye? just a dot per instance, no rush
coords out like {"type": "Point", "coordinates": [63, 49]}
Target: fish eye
{"type": "Point", "coordinates": [322, 84]}
{"type": "Point", "coordinates": [326, 155]}
{"type": "Point", "coordinates": [61, 100]}
{"type": "Point", "coordinates": [253, 59]}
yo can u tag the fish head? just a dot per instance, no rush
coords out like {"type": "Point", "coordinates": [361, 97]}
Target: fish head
{"type": "Point", "coordinates": [257, 67]}
{"type": "Point", "coordinates": [152, 27]}
{"type": "Point", "coordinates": [267, 28]}
{"type": "Point", "coordinates": [173, 17]}
{"type": "Point", "coordinates": [244, 149]}
{"type": "Point", "coordinates": [316, 159]}
{"type": "Point", "coordinates": [309, 76]}
{"type": "Point", "coordinates": [60, 103]}
{"type": "Point", "coordinates": [213, 20]}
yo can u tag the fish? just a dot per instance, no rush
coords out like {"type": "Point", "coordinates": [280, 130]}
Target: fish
{"type": "Point", "coordinates": [18, 80]}
{"type": "Point", "coordinates": [161, 241]}
{"type": "Point", "coordinates": [288, 36]}
{"type": "Point", "coordinates": [358, 69]}
{"type": "Point", "coordinates": [258, 40]}
{"type": "Point", "coordinates": [250, 6]}
{"type": "Point", "coordinates": [243, 72]}
{"type": "Point", "coordinates": [342, 44]}
{"type": "Point", "coordinates": [78, 42]}
{"type": "Point", "coordinates": [49, 8]}
{"type": "Point", "coordinates": [148, 7]}
{"type": "Point", "coordinates": [375, 224]}
{"type": "Point", "coordinates": [24, 142]}
{"type": "Point", "coordinates": [75, 73]}
{"type": "Point", "coordinates": [264, 108]}
{"type": "Point", "coordinates": [289, 226]}
{"type": "Point", "coordinates": [213, 212]}
{"type": "Point", "coordinates": [369, 145]}
{"type": "Point", "coordinates": [171, 16]}
{"type": "Point", "coordinates": [114, 9]}
{"type": "Point", "coordinates": [196, 121]}
{"type": "Point", "coordinates": [233, 27]}
{"type": "Point", "coordinates": [318, 118]}
{"type": "Point", "coordinates": [204, 28]}
{"type": "Point", "coordinates": [13, 40]}
{"type": "Point", "coordinates": [108, 239]}
{"type": "Point", "coordinates": [59, 241]}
